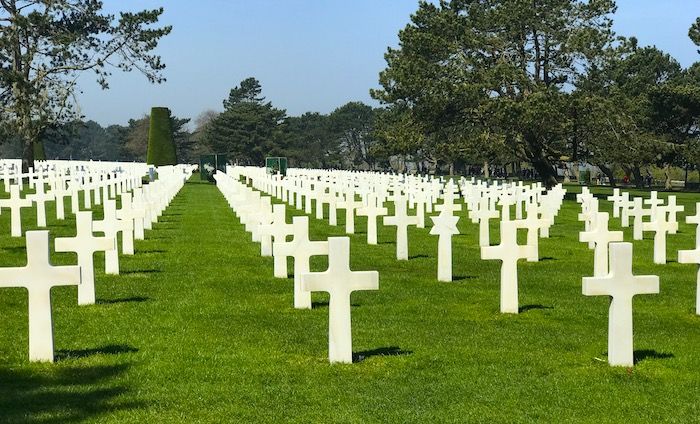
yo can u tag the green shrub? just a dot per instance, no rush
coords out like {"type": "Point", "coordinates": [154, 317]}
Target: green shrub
{"type": "Point", "coordinates": [161, 146]}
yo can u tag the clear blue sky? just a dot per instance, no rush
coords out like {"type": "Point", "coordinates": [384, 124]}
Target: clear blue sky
{"type": "Point", "coordinates": [309, 55]}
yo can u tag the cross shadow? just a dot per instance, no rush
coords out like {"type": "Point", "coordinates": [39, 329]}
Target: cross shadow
{"type": "Point", "coordinates": [526, 308]}
{"type": "Point", "coordinates": [462, 277]}
{"type": "Point", "coordinates": [50, 396]}
{"type": "Point", "coordinates": [418, 256]}
{"type": "Point", "coordinates": [135, 299]}
{"type": "Point", "coordinates": [382, 351]}
{"type": "Point", "coordinates": [112, 349]}
{"type": "Point", "coordinates": [324, 304]}
{"type": "Point", "coordinates": [642, 354]}
{"type": "Point", "coordinates": [153, 251]}
{"type": "Point", "coordinates": [140, 271]}
{"type": "Point", "coordinates": [548, 258]}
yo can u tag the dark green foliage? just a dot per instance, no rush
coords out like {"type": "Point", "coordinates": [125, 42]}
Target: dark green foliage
{"type": "Point", "coordinates": [161, 146]}
{"type": "Point", "coordinates": [46, 45]}
{"type": "Point", "coordinates": [247, 126]}
{"type": "Point", "coordinates": [694, 33]}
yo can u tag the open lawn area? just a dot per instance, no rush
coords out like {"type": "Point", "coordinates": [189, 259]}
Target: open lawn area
{"type": "Point", "coordinates": [196, 329]}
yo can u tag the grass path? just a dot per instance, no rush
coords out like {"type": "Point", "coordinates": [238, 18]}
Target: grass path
{"type": "Point", "coordinates": [196, 329]}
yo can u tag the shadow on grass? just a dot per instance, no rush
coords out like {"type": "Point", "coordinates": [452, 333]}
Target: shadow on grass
{"type": "Point", "coordinates": [418, 257]}
{"type": "Point", "coordinates": [526, 308]}
{"type": "Point", "coordinates": [463, 277]}
{"type": "Point", "coordinates": [62, 394]}
{"type": "Point", "coordinates": [152, 251]}
{"type": "Point", "coordinates": [135, 299]}
{"type": "Point", "coordinates": [112, 349]}
{"type": "Point", "coordinates": [548, 258]}
{"type": "Point", "coordinates": [324, 304]}
{"type": "Point", "coordinates": [382, 351]}
{"type": "Point", "coordinates": [642, 354]}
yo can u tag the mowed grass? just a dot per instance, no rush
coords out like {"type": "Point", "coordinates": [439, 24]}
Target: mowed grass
{"type": "Point", "coordinates": [196, 329]}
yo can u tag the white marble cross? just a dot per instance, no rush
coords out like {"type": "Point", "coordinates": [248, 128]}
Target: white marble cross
{"type": "Point", "coordinates": [110, 226]}
{"type": "Point", "coordinates": [301, 249]}
{"type": "Point", "coordinates": [372, 211]}
{"type": "Point", "coordinates": [38, 277]}
{"type": "Point", "coordinates": [602, 237]}
{"type": "Point", "coordinates": [401, 220]}
{"type": "Point", "coordinates": [621, 285]}
{"type": "Point", "coordinates": [339, 281]}
{"type": "Point", "coordinates": [673, 210]}
{"type": "Point", "coordinates": [350, 205]}
{"type": "Point", "coordinates": [279, 230]}
{"type": "Point", "coordinates": [15, 203]}
{"type": "Point", "coordinates": [444, 226]}
{"type": "Point", "coordinates": [533, 223]}
{"type": "Point", "coordinates": [660, 226]}
{"type": "Point", "coordinates": [85, 244]}
{"type": "Point", "coordinates": [483, 215]}
{"type": "Point", "coordinates": [625, 206]}
{"type": "Point", "coordinates": [130, 211]}
{"type": "Point", "coordinates": [509, 251]}
{"type": "Point", "coordinates": [40, 198]}
{"type": "Point", "coordinates": [638, 212]}
{"type": "Point", "coordinates": [616, 200]}
{"type": "Point", "coordinates": [654, 201]}
{"type": "Point", "coordinates": [693, 256]}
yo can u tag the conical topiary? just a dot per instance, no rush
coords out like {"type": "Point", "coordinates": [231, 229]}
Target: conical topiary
{"type": "Point", "coordinates": [161, 146]}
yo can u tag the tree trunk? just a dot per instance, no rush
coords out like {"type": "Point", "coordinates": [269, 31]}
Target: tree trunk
{"type": "Point", "coordinates": [547, 174]}
{"type": "Point", "coordinates": [452, 168]}
{"type": "Point", "coordinates": [608, 173]}
{"type": "Point", "coordinates": [486, 170]}
{"type": "Point", "coordinates": [667, 176]}
{"type": "Point", "coordinates": [637, 175]}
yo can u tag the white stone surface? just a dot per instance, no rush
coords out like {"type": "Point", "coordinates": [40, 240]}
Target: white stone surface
{"type": "Point", "coordinates": [110, 227]}
{"type": "Point", "coordinates": [38, 277]}
{"type": "Point", "coordinates": [621, 285]}
{"type": "Point", "coordinates": [601, 236]}
{"type": "Point", "coordinates": [372, 210]}
{"type": "Point", "coordinates": [660, 226]}
{"type": "Point", "coordinates": [85, 244]}
{"type": "Point", "coordinates": [444, 226]}
{"type": "Point", "coordinates": [401, 220]}
{"type": "Point", "coordinates": [508, 252]}
{"type": "Point", "coordinates": [339, 281]}
{"type": "Point", "coordinates": [692, 256]}
{"type": "Point", "coordinates": [301, 249]}
{"type": "Point", "coordinates": [15, 204]}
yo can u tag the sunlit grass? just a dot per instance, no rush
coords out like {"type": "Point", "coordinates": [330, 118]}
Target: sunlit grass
{"type": "Point", "coordinates": [196, 329]}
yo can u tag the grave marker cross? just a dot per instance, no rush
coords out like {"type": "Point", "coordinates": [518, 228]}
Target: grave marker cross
{"type": "Point", "coordinates": [85, 244]}
{"type": "Point", "coordinates": [508, 251]}
{"type": "Point", "coordinates": [621, 286]}
{"type": "Point", "coordinates": [301, 249]}
{"type": "Point", "coordinates": [38, 277]}
{"type": "Point", "coordinates": [339, 281]}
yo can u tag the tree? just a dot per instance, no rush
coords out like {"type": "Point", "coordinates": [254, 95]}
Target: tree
{"type": "Point", "coordinates": [694, 33]}
{"type": "Point", "coordinates": [46, 45]}
{"type": "Point", "coordinates": [308, 141]}
{"type": "Point", "coordinates": [352, 125]}
{"type": "Point", "coordinates": [245, 130]}
{"type": "Point", "coordinates": [497, 72]}
{"type": "Point", "coordinates": [135, 139]}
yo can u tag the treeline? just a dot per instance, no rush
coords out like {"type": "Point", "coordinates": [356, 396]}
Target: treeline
{"type": "Point", "coordinates": [514, 82]}
{"type": "Point", "coordinates": [248, 130]}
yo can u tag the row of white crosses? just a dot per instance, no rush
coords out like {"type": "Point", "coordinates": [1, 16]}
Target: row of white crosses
{"type": "Point", "coordinates": [481, 199]}
{"type": "Point", "coordinates": [264, 220]}
{"type": "Point", "coordinates": [39, 276]}
{"type": "Point", "coordinates": [613, 261]}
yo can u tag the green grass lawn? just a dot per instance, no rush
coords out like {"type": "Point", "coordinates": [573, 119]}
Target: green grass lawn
{"type": "Point", "coordinates": [196, 329]}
